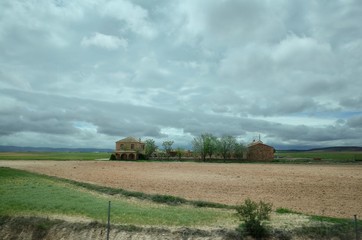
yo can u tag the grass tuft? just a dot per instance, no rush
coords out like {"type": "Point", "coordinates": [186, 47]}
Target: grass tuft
{"type": "Point", "coordinates": [285, 211]}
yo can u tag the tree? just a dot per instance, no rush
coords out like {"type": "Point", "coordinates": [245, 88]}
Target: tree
{"type": "Point", "coordinates": [226, 146]}
{"type": "Point", "coordinates": [179, 152]}
{"type": "Point", "coordinates": [205, 144]}
{"type": "Point", "coordinates": [239, 150]}
{"type": "Point", "coordinates": [198, 146]}
{"type": "Point", "coordinates": [211, 143]}
{"type": "Point", "coordinates": [150, 147]}
{"type": "Point", "coordinates": [167, 146]}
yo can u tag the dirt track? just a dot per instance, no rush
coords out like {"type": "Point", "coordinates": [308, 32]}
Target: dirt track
{"type": "Point", "coordinates": [331, 190]}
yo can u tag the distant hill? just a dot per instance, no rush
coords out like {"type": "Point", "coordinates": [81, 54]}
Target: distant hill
{"type": "Point", "coordinates": [47, 149]}
{"type": "Point", "coordinates": [337, 149]}
{"type": "Point", "coordinates": [327, 149]}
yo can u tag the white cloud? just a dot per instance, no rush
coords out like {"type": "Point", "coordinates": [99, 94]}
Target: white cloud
{"type": "Point", "coordinates": [304, 54]}
{"type": "Point", "coordinates": [104, 41]}
{"type": "Point", "coordinates": [134, 16]}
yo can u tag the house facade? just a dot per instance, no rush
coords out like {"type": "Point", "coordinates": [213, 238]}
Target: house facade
{"type": "Point", "coordinates": [129, 148]}
{"type": "Point", "coordinates": [258, 151]}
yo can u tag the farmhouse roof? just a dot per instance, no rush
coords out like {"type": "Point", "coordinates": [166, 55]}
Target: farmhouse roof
{"type": "Point", "coordinates": [129, 139]}
{"type": "Point", "coordinates": [254, 143]}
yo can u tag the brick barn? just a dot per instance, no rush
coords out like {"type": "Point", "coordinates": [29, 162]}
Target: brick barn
{"type": "Point", "coordinates": [258, 151]}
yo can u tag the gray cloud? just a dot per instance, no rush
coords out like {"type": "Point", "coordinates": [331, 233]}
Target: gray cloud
{"type": "Point", "coordinates": [355, 122]}
{"type": "Point", "coordinates": [89, 72]}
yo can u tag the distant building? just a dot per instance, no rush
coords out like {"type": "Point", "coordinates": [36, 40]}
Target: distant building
{"type": "Point", "coordinates": [258, 151]}
{"type": "Point", "coordinates": [129, 148]}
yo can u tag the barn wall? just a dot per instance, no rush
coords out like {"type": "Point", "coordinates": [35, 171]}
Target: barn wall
{"type": "Point", "coordinates": [260, 152]}
{"type": "Point", "coordinates": [127, 146]}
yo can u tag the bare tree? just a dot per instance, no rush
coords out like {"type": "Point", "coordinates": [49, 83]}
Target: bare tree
{"type": "Point", "coordinates": [198, 145]}
{"type": "Point", "coordinates": [239, 149]}
{"type": "Point", "coordinates": [167, 146]}
{"type": "Point", "coordinates": [205, 144]}
{"type": "Point", "coordinates": [226, 146]}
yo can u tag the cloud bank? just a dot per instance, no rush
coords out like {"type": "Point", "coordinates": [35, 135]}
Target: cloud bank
{"type": "Point", "coordinates": [87, 73]}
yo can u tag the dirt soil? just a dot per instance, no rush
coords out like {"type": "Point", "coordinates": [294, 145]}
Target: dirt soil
{"type": "Point", "coordinates": [329, 190]}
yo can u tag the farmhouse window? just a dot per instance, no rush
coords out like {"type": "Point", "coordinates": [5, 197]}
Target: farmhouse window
{"type": "Point", "coordinates": [132, 146]}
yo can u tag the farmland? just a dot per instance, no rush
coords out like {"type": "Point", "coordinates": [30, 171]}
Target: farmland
{"type": "Point", "coordinates": [331, 156]}
{"type": "Point", "coordinates": [157, 200]}
{"type": "Point", "coordinates": [36, 206]}
{"type": "Point", "coordinates": [328, 190]}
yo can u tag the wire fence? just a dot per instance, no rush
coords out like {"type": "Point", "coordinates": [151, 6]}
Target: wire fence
{"type": "Point", "coordinates": [324, 229]}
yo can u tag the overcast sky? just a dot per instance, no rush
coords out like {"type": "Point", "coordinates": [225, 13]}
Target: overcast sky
{"type": "Point", "coordinates": [87, 73]}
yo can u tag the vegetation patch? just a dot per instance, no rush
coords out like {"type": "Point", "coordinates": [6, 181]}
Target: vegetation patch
{"type": "Point", "coordinates": [285, 211]}
{"type": "Point", "coordinates": [328, 231]}
{"type": "Point", "coordinates": [318, 156]}
{"type": "Point", "coordinates": [23, 193]}
{"type": "Point", "coordinates": [58, 229]}
{"type": "Point", "coordinates": [254, 214]}
{"type": "Point", "coordinates": [157, 198]}
{"type": "Point", "coordinates": [62, 156]}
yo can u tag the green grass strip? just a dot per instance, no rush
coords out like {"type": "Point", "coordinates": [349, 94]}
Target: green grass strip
{"type": "Point", "coordinates": [60, 156]}
{"type": "Point", "coordinates": [157, 198]}
{"type": "Point", "coordinates": [24, 193]}
{"type": "Point", "coordinates": [318, 219]}
{"type": "Point", "coordinates": [336, 156]}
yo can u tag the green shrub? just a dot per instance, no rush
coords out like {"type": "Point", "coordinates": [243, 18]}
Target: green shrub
{"type": "Point", "coordinates": [253, 214]}
{"type": "Point", "coordinates": [210, 204]}
{"type": "Point", "coordinates": [285, 211]}
{"type": "Point", "coordinates": [113, 157]}
{"type": "Point", "coordinates": [172, 200]}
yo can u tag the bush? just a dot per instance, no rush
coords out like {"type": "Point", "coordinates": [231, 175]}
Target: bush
{"type": "Point", "coordinates": [113, 157]}
{"type": "Point", "coordinates": [253, 214]}
{"type": "Point", "coordinates": [172, 200]}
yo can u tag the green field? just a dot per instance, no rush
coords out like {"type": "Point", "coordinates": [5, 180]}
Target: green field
{"type": "Point", "coordinates": [24, 193]}
{"type": "Point", "coordinates": [28, 194]}
{"type": "Point", "coordinates": [53, 155]}
{"type": "Point", "coordinates": [334, 156]}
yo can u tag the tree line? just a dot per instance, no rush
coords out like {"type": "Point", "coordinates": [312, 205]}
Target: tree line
{"type": "Point", "coordinates": [205, 145]}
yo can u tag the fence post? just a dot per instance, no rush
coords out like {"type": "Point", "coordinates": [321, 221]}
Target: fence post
{"type": "Point", "coordinates": [109, 219]}
{"type": "Point", "coordinates": [356, 227]}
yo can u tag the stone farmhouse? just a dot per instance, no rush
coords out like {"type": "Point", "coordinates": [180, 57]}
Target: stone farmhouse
{"type": "Point", "coordinates": [258, 151]}
{"type": "Point", "coordinates": [129, 148]}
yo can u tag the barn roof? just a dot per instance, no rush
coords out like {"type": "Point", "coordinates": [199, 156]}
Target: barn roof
{"type": "Point", "coordinates": [129, 139]}
{"type": "Point", "coordinates": [258, 143]}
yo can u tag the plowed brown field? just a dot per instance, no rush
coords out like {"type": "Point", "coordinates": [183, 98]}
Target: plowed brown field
{"type": "Point", "coordinates": [330, 190]}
